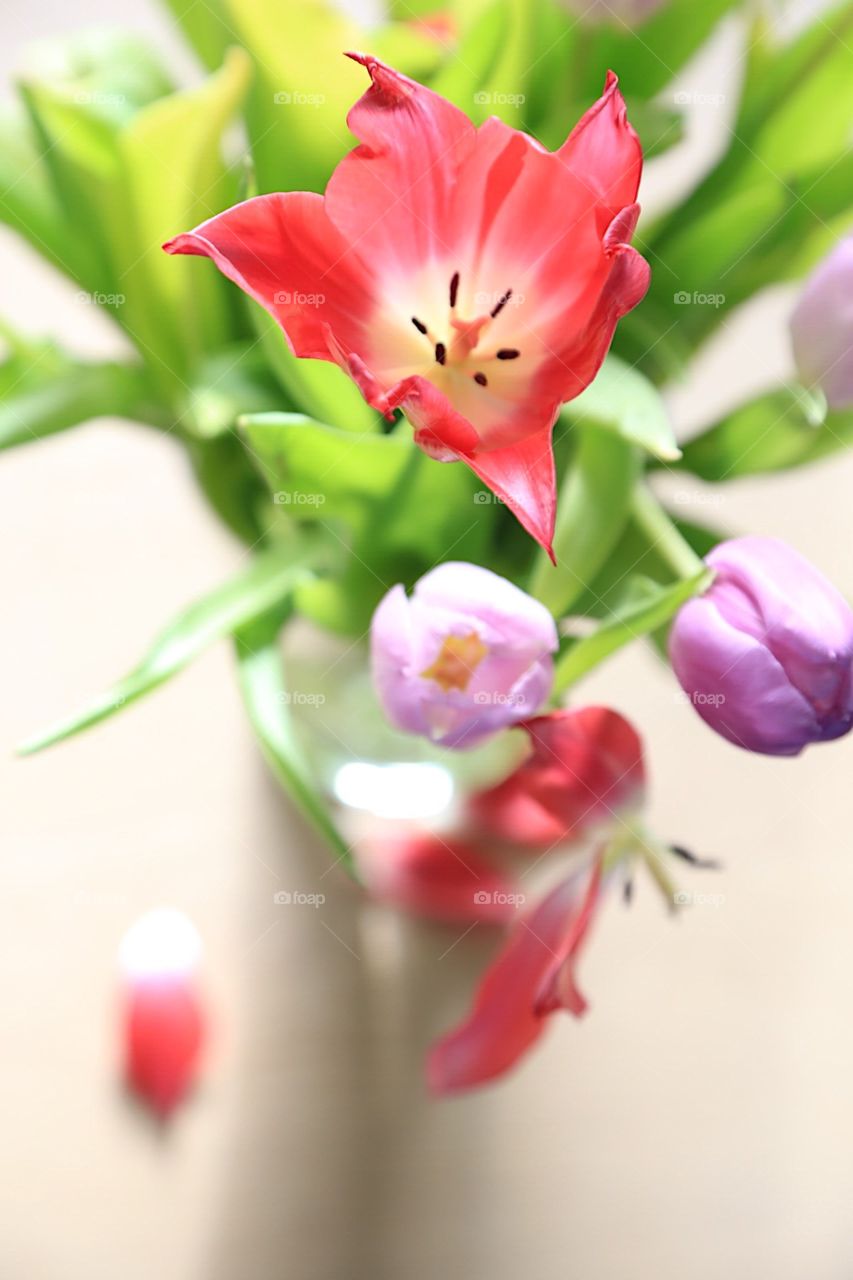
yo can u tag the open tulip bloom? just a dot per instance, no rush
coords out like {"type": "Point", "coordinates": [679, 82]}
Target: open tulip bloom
{"type": "Point", "coordinates": [442, 290]}
{"type": "Point", "coordinates": [466, 276]}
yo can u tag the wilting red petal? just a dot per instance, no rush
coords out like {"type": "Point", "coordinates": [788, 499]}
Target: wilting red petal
{"type": "Point", "coordinates": [286, 254]}
{"type": "Point", "coordinates": [604, 150]}
{"type": "Point", "coordinates": [506, 1020]}
{"type": "Point", "coordinates": [164, 1030]}
{"type": "Point", "coordinates": [558, 989]}
{"type": "Point", "coordinates": [444, 879]}
{"type": "Point", "coordinates": [585, 765]}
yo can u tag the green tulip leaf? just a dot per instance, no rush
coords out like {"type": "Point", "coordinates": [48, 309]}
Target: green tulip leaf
{"type": "Point", "coordinates": [43, 391]}
{"type": "Point", "coordinates": [785, 428]}
{"type": "Point", "coordinates": [173, 177]}
{"type": "Point", "coordinates": [624, 400]}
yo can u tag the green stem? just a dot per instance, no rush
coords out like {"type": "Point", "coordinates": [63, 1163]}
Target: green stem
{"type": "Point", "coordinates": [395, 500]}
{"type": "Point", "coordinates": [663, 536]}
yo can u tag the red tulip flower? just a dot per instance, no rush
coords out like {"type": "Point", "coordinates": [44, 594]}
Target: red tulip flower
{"type": "Point", "coordinates": [584, 766]}
{"type": "Point", "coordinates": [464, 275]}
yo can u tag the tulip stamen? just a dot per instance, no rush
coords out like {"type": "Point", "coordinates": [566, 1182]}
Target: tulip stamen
{"type": "Point", "coordinates": [481, 379]}
{"type": "Point", "coordinates": [419, 324]}
{"type": "Point", "coordinates": [499, 306]}
{"type": "Point", "coordinates": [508, 353]}
{"type": "Point", "coordinates": [454, 288]}
{"type": "Point", "coordinates": [456, 662]}
{"type": "Point", "coordinates": [710, 864]}
{"type": "Point", "coordinates": [441, 352]}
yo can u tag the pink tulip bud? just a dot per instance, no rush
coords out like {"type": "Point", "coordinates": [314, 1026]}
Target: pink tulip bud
{"type": "Point", "coordinates": [822, 327]}
{"type": "Point", "coordinates": [765, 655]}
{"type": "Point", "coordinates": [466, 655]}
{"type": "Point", "coordinates": [163, 1018]}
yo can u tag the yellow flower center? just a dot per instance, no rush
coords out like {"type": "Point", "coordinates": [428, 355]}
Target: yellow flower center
{"type": "Point", "coordinates": [458, 659]}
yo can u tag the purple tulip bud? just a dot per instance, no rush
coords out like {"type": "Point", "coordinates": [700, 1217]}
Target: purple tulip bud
{"type": "Point", "coordinates": [766, 653]}
{"type": "Point", "coordinates": [822, 328]}
{"type": "Point", "coordinates": [467, 655]}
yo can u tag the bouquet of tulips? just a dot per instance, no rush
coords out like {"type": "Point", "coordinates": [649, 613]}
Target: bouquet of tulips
{"type": "Point", "coordinates": [421, 378]}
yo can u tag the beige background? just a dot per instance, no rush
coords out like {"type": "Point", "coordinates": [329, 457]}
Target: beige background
{"type": "Point", "coordinates": [698, 1123]}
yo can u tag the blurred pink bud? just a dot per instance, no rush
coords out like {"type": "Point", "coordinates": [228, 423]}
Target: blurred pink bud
{"type": "Point", "coordinates": [765, 655]}
{"type": "Point", "coordinates": [466, 655]}
{"type": "Point", "coordinates": [822, 327]}
{"type": "Point", "coordinates": [163, 1018]}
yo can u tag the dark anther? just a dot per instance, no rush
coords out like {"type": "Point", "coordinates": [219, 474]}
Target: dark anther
{"type": "Point", "coordinates": [440, 352]}
{"type": "Point", "coordinates": [628, 891]}
{"type": "Point", "coordinates": [498, 308]}
{"type": "Point", "coordinates": [419, 325]}
{"type": "Point", "coordinates": [508, 353]}
{"type": "Point", "coordinates": [454, 288]}
{"type": "Point", "coordinates": [481, 379]}
{"type": "Point", "coordinates": [709, 864]}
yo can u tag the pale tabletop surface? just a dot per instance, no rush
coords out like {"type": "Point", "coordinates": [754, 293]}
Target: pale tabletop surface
{"type": "Point", "coordinates": [698, 1123]}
